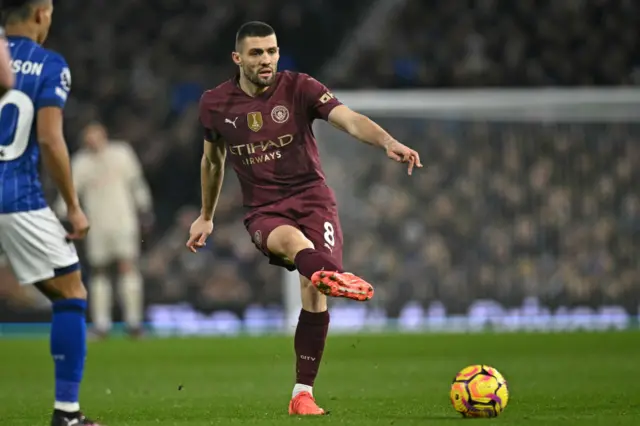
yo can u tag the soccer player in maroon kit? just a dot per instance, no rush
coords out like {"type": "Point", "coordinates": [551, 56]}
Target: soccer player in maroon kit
{"type": "Point", "coordinates": [261, 122]}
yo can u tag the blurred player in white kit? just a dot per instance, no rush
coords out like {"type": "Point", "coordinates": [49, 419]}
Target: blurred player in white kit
{"type": "Point", "coordinates": [115, 194]}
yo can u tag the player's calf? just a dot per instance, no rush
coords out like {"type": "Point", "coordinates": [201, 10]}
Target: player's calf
{"type": "Point", "coordinates": [67, 343]}
{"type": "Point", "coordinates": [310, 338]}
{"type": "Point", "coordinates": [131, 296]}
{"type": "Point", "coordinates": [101, 302]}
{"type": "Point", "coordinates": [312, 299]}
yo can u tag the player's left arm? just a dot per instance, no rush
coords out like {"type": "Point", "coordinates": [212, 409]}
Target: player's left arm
{"type": "Point", "coordinates": [326, 106]}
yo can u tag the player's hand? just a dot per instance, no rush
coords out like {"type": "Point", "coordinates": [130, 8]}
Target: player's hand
{"type": "Point", "coordinates": [79, 223]}
{"type": "Point", "coordinates": [403, 154]}
{"type": "Point", "coordinates": [198, 234]}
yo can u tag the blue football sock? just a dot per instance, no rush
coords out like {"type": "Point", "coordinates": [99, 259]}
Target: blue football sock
{"type": "Point", "coordinates": [68, 347]}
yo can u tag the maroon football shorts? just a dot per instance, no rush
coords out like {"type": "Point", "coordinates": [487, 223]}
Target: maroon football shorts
{"type": "Point", "coordinates": [313, 211]}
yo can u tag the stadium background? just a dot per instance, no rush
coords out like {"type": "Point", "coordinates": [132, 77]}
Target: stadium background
{"type": "Point", "coordinates": [527, 222]}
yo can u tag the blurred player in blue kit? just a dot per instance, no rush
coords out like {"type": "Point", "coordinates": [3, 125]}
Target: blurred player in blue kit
{"type": "Point", "coordinates": [41, 252]}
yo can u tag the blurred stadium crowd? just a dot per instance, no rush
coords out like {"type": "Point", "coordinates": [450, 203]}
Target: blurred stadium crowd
{"type": "Point", "coordinates": [500, 210]}
{"type": "Point", "coordinates": [466, 43]}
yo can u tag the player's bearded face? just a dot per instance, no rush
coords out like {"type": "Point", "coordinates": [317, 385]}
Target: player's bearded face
{"type": "Point", "coordinates": [259, 60]}
{"type": "Point", "coordinates": [261, 76]}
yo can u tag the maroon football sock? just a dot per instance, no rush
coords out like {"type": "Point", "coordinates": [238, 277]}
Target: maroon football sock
{"type": "Point", "coordinates": [311, 334]}
{"type": "Point", "coordinates": [310, 261]}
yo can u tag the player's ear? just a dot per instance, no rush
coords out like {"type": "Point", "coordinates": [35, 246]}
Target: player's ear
{"type": "Point", "coordinates": [38, 14]}
{"type": "Point", "coordinates": [41, 14]}
{"type": "Point", "coordinates": [235, 56]}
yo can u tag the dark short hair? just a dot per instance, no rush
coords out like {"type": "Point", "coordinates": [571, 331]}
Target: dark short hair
{"type": "Point", "coordinates": [17, 10]}
{"type": "Point", "coordinates": [253, 29]}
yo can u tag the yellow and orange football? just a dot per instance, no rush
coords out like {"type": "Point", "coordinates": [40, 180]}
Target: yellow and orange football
{"type": "Point", "coordinates": [479, 391]}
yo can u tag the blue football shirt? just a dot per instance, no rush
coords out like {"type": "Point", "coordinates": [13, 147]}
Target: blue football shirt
{"type": "Point", "coordinates": [43, 80]}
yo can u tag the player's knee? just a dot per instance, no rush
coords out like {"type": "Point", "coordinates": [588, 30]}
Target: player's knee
{"type": "Point", "coordinates": [125, 266]}
{"type": "Point", "coordinates": [75, 292]}
{"type": "Point", "coordinates": [295, 244]}
{"type": "Point", "coordinates": [67, 286]}
{"type": "Point", "coordinates": [99, 270]}
{"type": "Point", "coordinates": [288, 241]}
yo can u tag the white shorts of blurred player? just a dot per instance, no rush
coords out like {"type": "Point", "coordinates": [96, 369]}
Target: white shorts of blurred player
{"type": "Point", "coordinates": [105, 246]}
{"type": "Point", "coordinates": [35, 244]}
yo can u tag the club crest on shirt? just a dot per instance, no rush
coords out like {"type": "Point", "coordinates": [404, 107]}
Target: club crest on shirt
{"type": "Point", "coordinates": [254, 121]}
{"type": "Point", "coordinates": [279, 114]}
{"type": "Point", "coordinates": [257, 238]}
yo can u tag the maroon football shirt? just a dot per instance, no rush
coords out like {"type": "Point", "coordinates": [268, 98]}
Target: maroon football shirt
{"type": "Point", "coordinates": [269, 139]}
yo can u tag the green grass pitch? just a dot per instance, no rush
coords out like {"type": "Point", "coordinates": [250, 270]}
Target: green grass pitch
{"type": "Point", "coordinates": [555, 379]}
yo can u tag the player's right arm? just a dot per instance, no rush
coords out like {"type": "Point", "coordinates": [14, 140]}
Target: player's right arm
{"type": "Point", "coordinates": [55, 157]}
{"type": "Point", "coordinates": [6, 76]}
{"type": "Point", "coordinates": [79, 182]}
{"type": "Point", "coordinates": [211, 178]}
{"type": "Point", "coordinates": [212, 175]}
{"type": "Point", "coordinates": [53, 148]}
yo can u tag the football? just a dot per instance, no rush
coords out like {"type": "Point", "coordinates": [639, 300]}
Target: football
{"type": "Point", "coordinates": [479, 391]}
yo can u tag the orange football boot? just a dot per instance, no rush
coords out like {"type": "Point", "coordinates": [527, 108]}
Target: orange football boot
{"type": "Point", "coordinates": [303, 404]}
{"type": "Point", "coordinates": [342, 284]}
